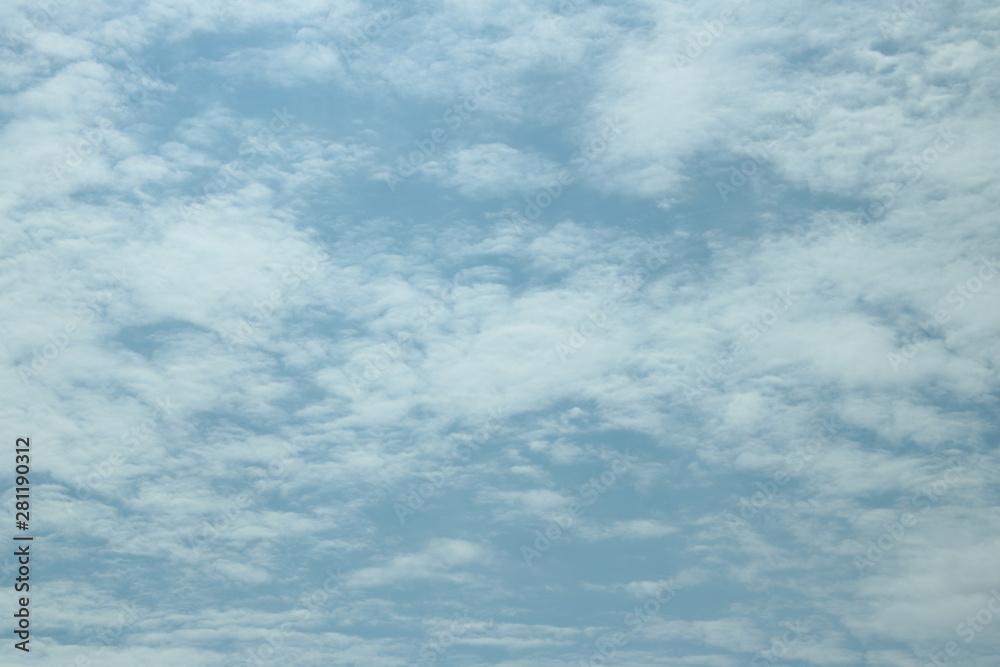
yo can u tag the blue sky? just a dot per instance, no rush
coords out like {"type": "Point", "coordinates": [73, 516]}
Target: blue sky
{"type": "Point", "coordinates": [504, 333]}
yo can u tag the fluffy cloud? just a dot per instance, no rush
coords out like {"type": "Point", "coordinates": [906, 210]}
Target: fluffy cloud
{"type": "Point", "coordinates": [751, 245]}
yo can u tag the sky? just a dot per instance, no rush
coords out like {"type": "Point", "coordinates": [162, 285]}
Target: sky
{"type": "Point", "coordinates": [527, 334]}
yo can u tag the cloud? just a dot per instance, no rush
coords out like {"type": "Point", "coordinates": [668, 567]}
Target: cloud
{"type": "Point", "coordinates": [492, 170]}
{"type": "Point", "coordinates": [439, 560]}
{"type": "Point", "coordinates": [693, 236]}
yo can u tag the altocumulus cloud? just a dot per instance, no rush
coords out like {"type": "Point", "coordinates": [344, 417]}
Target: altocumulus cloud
{"type": "Point", "coordinates": [685, 234]}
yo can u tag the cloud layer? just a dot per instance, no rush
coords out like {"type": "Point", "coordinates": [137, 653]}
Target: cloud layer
{"type": "Point", "coordinates": [321, 319]}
